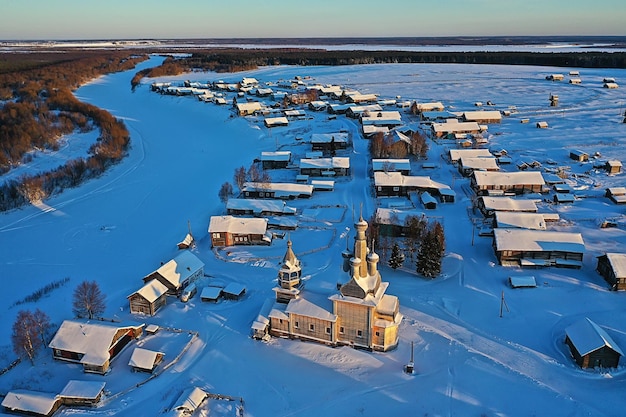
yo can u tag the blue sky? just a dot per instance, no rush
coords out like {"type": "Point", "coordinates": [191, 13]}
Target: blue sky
{"type": "Point", "coordinates": [160, 19]}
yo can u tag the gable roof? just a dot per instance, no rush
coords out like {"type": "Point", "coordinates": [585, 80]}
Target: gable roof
{"type": "Point", "coordinates": [587, 337]}
{"type": "Point", "coordinates": [92, 339]}
{"type": "Point", "coordinates": [82, 389]}
{"type": "Point", "coordinates": [243, 225]}
{"type": "Point", "coordinates": [303, 307]}
{"type": "Point", "coordinates": [508, 204]}
{"type": "Point", "coordinates": [179, 269]}
{"type": "Point", "coordinates": [151, 291]}
{"type": "Point", "coordinates": [42, 403]}
{"type": "Point", "coordinates": [456, 154]}
{"type": "Point", "coordinates": [537, 240]}
{"type": "Point", "coordinates": [143, 358]}
{"type": "Point", "coordinates": [484, 178]}
{"type": "Point", "coordinates": [521, 220]}
{"type": "Point", "coordinates": [618, 263]}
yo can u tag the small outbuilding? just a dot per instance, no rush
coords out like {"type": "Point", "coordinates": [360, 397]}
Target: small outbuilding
{"type": "Point", "coordinates": [211, 294]}
{"type": "Point", "coordinates": [616, 194]}
{"type": "Point", "coordinates": [31, 402]}
{"type": "Point", "coordinates": [429, 202]}
{"type": "Point", "coordinates": [613, 166]}
{"type": "Point", "coordinates": [234, 291]}
{"type": "Point", "coordinates": [612, 266]}
{"type": "Point", "coordinates": [144, 360]}
{"type": "Point", "coordinates": [149, 298]}
{"type": "Point", "coordinates": [188, 401]}
{"type": "Point", "coordinates": [591, 346]}
{"type": "Point", "coordinates": [579, 156]}
{"type": "Point", "coordinates": [523, 281]}
{"type": "Point", "coordinates": [82, 393]}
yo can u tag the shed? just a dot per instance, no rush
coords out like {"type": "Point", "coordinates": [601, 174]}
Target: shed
{"type": "Point", "coordinates": [522, 281]}
{"type": "Point", "coordinates": [189, 400]}
{"type": "Point", "coordinates": [152, 329]}
{"type": "Point", "coordinates": [555, 77]}
{"type": "Point", "coordinates": [149, 298]}
{"type": "Point", "coordinates": [591, 346]}
{"type": "Point", "coordinates": [145, 360]}
{"type": "Point", "coordinates": [613, 166]}
{"type": "Point", "coordinates": [542, 125]}
{"type": "Point", "coordinates": [578, 155]}
{"type": "Point", "coordinates": [562, 198]}
{"type": "Point", "coordinates": [234, 291]}
{"type": "Point", "coordinates": [211, 294]}
{"type": "Point", "coordinates": [323, 185]}
{"type": "Point", "coordinates": [447, 195]}
{"type": "Point", "coordinates": [276, 121]}
{"type": "Point", "coordinates": [31, 402]}
{"type": "Point", "coordinates": [611, 85]}
{"type": "Point", "coordinates": [275, 160]}
{"type": "Point", "coordinates": [612, 266]}
{"type": "Point", "coordinates": [82, 392]}
{"type": "Point", "coordinates": [616, 194]}
{"type": "Point", "coordinates": [429, 202]}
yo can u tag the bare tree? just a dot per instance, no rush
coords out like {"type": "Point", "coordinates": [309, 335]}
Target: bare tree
{"type": "Point", "coordinates": [88, 300]}
{"type": "Point", "coordinates": [42, 323]}
{"type": "Point", "coordinates": [240, 177]}
{"type": "Point", "coordinates": [25, 336]}
{"type": "Point", "coordinates": [254, 173]}
{"type": "Point", "coordinates": [225, 192]}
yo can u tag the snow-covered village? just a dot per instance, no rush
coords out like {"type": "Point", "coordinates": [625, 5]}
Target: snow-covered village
{"type": "Point", "coordinates": [386, 239]}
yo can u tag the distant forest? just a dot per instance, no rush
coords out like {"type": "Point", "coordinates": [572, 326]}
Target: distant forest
{"type": "Point", "coordinates": [37, 108]}
{"type": "Point", "coordinates": [237, 59]}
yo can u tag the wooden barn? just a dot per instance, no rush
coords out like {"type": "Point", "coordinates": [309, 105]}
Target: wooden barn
{"type": "Point", "coordinates": [92, 344]}
{"type": "Point", "coordinates": [591, 346]}
{"type": "Point", "coordinates": [233, 291]}
{"type": "Point", "coordinates": [284, 191]}
{"type": "Point", "coordinates": [329, 142]}
{"type": "Point", "coordinates": [32, 403]}
{"type": "Point", "coordinates": [467, 165]}
{"type": "Point", "coordinates": [325, 167]}
{"type": "Point", "coordinates": [489, 206]}
{"type": "Point", "coordinates": [538, 248]}
{"type": "Point", "coordinates": [229, 231]}
{"type": "Point", "coordinates": [612, 266]}
{"type": "Point", "coordinates": [452, 127]}
{"type": "Point", "coordinates": [179, 272]}
{"type": "Point", "coordinates": [149, 298]}
{"type": "Point", "coordinates": [394, 184]}
{"type": "Point", "coordinates": [388, 119]}
{"type": "Point", "coordinates": [275, 160]}
{"type": "Point", "coordinates": [258, 207]}
{"type": "Point", "coordinates": [483, 116]}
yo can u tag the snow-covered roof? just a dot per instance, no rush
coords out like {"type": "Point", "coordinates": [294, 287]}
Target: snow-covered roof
{"type": "Point", "coordinates": [522, 220]}
{"type": "Point", "coordinates": [371, 129]}
{"type": "Point", "coordinates": [249, 107]}
{"type": "Point", "coordinates": [143, 358]}
{"type": "Point", "coordinates": [616, 191]}
{"type": "Point", "coordinates": [179, 269]}
{"type": "Point", "coordinates": [365, 108]}
{"type": "Point", "coordinates": [243, 225]}
{"type": "Point", "coordinates": [42, 403]}
{"type": "Point", "coordinates": [234, 288]}
{"type": "Point", "coordinates": [485, 178]}
{"type": "Point", "coordinates": [276, 121]}
{"type": "Point", "coordinates": [152, 290]}
{"type": "Point", "coordinates": [396, 179]}
{"type": "Point", "coordinates": [453, 126]}
{"type": "Point", "coordinates": [276, 156]}
{"type": "Point", "coordinates": [480, 163]}
{"type": "Point", "coordinates": [328, 137]}
{"type": "Point", "coordinates": [437, 105]}
{"type": "Point", "coordinates": [427, 198]}
{"type": "Point", "coordinates": [382, 117]}
{"type": "Point", "coordinates": [358, 97]}
{"type": "Point", "coordinates": [520, 281]}
{"type": "Point", "coordinates": [303, 307]}
{"type": "Point", "coordinates": [537, 240]}
{"type": "Point", "coordinates": [259, 206]}
{"type": "Point", "coordinates": [618, 263]}
{"type": "Point", "coordinates": [587, 337]}
{"type": "Point", "coordinates": [391, 164]}
{"type": "Point", "coordinates": [82, 389]}
{"type": "Point", "coordinates": [388, 305]}
{"type": "Point", "coordinates": [211, 293]}
{"type": "Point", "coordinates": [278, 312]}
{"type": "Point", "coordinates": [325, 163]}
{"type": "Point", "coordinates": [480, 115]}
{"type": "Point", "coordinates": [457, 154]}
{"type": "Point", "coordinates": [190, 399]}
{"type": "Point", "coordinates": [294, 113]}
{"type": "Point", "coordinates": [92, 339]}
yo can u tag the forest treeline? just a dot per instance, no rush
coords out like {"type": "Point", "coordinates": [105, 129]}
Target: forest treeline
{"type": "Point", "coordinates": [37, 108]}
{"type": "Point", "coordinates": [236, 59]}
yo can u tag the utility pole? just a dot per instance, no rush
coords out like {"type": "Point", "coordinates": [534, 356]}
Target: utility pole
{"type": "Point", "coordinates": [503, 303]}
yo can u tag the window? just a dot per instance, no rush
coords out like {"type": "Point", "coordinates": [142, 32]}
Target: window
{"type": "Point", "coordinates": [311, 327]}
{"type": "Point", "coordinates": [377, 333]}
{"type": "Point", "coordinates": [296, 325]}
{"type": "Point", "coordinates": [341, 330]}
{"type": "Point", "coordinates": [280, 321]}
{"type": "Point", "coordinates": [380, 188]}
{"type": "Point", "coordinates": [396, 188]}
{"type": "Point", "coordinates": [328, 330]}
{"type": "Point", "coordinates": [359, 333]}
{"type": "Point", "coordinates": [216, 235]}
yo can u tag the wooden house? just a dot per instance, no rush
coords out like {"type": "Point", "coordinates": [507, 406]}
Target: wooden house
{"type": "Point", "coordinates": [276, 121]}
{"type": "Point", "coordinates": [611, 85]}
{"type": "Point", "coordinates": [318, 105]}
{"type": "Point", "coordinates": [149, 298]}
{"type": "Point", "coordinates": [455, 155]}
{"type": "Point", "coordinates": [453, 127]}
{"type": "Point", "coordinates": [229, 231]}
{"type": "Point", "coordinates": [284, 191]}
{"type": "Point", "coordinates": [329, 142]}
{"type": "Point", "coordinates": [179, 272]}
{"type": "Point", "coordinates": [275, 160]}
{"type": "Point", "coordinates": [575, 81]}
{"type": "Point", "coordinates": [428, 201]}
{"type": "Point", "coordinates": [519, 220]}
{"type": "Point", "coordinates": [613, 166]}
{"type": "Point", "coordinates": [537, 248]}
{"type": "Point", "coordinates": [489, 205]}
{"type": "Point", "coordinates": [92, 344]}
{"type": "Point", "coordinates": [249, 108]}
{"type": "Point", "coordinates": [515, 182]}
{"type": "Point", "coordinates": [612, 266]}
{"type": "Point", "coordinates": [420, 108]}
{"type": "Point", "coordinates": [555, 77]}
{"type": "Point", "coordinates": [591, 346]}
{"type": "Point", "coordinates": [336, 108]}
{"type": "Point", "coordinates": [370, 131]}
{"type": "Point", "coordinates": [388, 119]}
{"type": "Point", "coordinates": [357, 97]}
{"type": "Point", "coordinates": [564, 198]}
{"type": "Point", "coordinates": [402, 166]}
{"type": "Point", "coordinates": [325, 167]}
{"type": "Point", "coordinates": [482, 116]}
{"type": "Point", "coordinates": [394, 222]}
{"type": "Point", "coordinates": [467, 165]}
{"type": "Point", "coordinates": [145, 360]}
{"type": "Point", "coordinates": [542, 125]}
{"type": "Point", "coordinates": [436, 116]}
{"type": "Point", "coordinates": [616, 194]}
{"type": "Point", "coordinates": [394, 184]}
{"type": "Point", "coordinates": [82, 393]}
{"type": "Point", "coordinates": [579, 156]}
{"type": "Point", "coordinates": [31, 402]}
{"type": "Point", "coordinates": [258, 207]}
{"type": "Point", "coordinates": [356, 112]}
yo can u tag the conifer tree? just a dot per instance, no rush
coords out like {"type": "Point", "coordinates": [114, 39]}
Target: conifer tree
{"type": "Point", "coordinates": [397, 257]}
{"type": "Point", "coordinates": [431, 252]}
